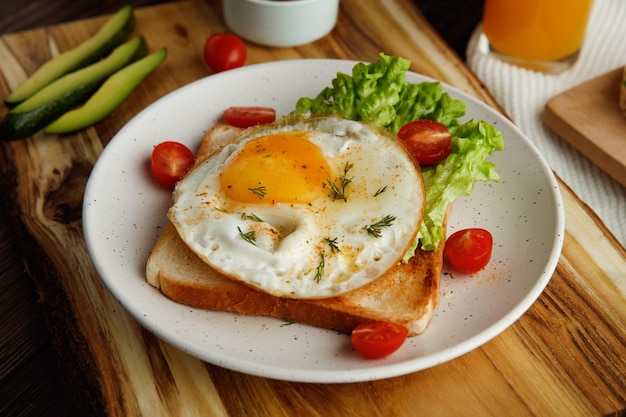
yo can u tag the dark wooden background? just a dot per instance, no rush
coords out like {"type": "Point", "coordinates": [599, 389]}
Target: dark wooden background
{"type": "Point", "coordinates": [29, 380]}
{"type": "Point", "coordinates": [454, 19]}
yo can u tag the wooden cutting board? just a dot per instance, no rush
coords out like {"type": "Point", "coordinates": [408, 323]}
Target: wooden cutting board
{"type": "Point", "coordinates": [565, 356]}
{"type": "Point", "coordinates": [588, 116]}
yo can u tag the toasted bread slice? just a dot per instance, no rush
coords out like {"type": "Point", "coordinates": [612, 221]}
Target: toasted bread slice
{"type": "Point", "coordinates": [407, 294]}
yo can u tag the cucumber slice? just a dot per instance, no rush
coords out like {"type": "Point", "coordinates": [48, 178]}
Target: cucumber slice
{"type": "Point", "coordinates": [121, 56]}
{"type": "Point", "coordinates": [20, 125]}
{"type": "Point", "coordinates": [111, 34]}
{"type": "Point", "coordinates": [67, 92]}
{"type": "Point", "coordinates": [110, 95]}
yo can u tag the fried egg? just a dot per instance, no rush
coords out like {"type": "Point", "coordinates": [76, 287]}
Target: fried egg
{"type": "Point", "coordinates": [307, 207]}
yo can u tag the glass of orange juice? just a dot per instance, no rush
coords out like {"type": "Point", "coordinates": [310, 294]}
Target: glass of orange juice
{"type": "Point", "coordinates": [543, 35]}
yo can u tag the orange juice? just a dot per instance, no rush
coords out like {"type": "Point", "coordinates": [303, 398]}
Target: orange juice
{"type": "Point", "coordinates": [536, 30]}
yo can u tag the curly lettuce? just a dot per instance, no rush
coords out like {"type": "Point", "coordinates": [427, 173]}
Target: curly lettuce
{"type": "Point", "coordinates": [455, 176]}
{"type": "Point", "coordinates": [378, 94]}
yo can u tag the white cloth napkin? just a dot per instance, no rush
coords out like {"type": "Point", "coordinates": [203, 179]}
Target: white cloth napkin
{"type": "Point", "coordinates": [524, 93]}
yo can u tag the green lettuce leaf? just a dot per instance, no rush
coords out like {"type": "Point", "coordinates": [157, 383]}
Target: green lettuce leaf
{"type": "Point", "coordinates": [378, 94]}
{"type": "Point", "coordinates": [456, 175]}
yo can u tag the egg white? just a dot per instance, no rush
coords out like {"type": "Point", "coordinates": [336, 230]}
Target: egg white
{"type": "Point", "coordinates": [307, 250]}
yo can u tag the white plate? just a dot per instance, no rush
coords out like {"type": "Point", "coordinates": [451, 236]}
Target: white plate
{"type": "Point", "coordinates": [125, 212]}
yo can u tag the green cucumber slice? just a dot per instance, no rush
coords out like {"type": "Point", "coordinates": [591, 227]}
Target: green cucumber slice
{"type": "Point", "coordinates": [114, 31]}
{"type": "Point", "coordinates": [67, 92]}
{"type": "Point", "coordinates": [110, 95]}
{"type": "Point", "coordinates": [120, 57]}
{"type": "Point", "coordinates": [20, 125]}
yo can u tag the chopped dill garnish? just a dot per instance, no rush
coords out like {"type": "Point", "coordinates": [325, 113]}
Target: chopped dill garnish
{"type": "Point", "coordinates": [380, 191]}
{"type": "Point", "coordinates": [375, 229]}
{"type": "Point", "coordinates": [332, 242]}
{"type": "Point", "coordinates": [248, 237]}
{"type": "Point", "coordinates": [319, 272]}
{"type": "Point", "coordinates": [252, 217]}
{"type": "Point", "coordinates": [220, 209]}
{"type": "Point", "coordinates": [288, 322]}
{"type": "Point", "coordinates": [259, 191]}
{"type": "Point", "coordinates": [338, 192]}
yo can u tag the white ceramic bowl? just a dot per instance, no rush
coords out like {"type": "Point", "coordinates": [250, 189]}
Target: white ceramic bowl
{"type": "Point", "coordinates": [281, 23]}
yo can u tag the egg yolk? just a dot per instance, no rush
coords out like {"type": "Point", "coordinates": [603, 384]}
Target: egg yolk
{"type": "Point", "coordinates": [276, 168]}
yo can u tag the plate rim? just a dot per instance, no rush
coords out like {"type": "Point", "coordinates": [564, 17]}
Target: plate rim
{"type": "Point", "coordinates": [378, 370]}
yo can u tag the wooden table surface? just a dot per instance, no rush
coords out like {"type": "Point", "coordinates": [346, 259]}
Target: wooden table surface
{"type": "Point", "coordinates": [574, 335]}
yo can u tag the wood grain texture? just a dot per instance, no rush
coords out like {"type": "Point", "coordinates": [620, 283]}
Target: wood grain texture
{"type": "Point", "coordinates": [24, 341]}
{"type": "Point", "coordinates": [19, 16]}
{"type": "Point", "coordinates": [589, 118]}
{"type": "Point", "coordinates": [565, 356]}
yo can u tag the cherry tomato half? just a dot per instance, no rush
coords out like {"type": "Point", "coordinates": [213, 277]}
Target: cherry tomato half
{"type": "Point", "coordinates": [377, 339]}
{"type": "Point", "coordinates": [170, 162]}
{"type": "Point", "coordinates": [224, 51]}
{"type": "Point", "coordinates": [249, 116]}
{"type": "Point", "coordinates": [469, 250]}
{"type": "Point", "coordinates": [428, 141]}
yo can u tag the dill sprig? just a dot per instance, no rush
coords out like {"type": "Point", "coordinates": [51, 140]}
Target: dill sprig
{"type": "Point", "coordinates": [259, 191]}
{"type": "Point", "coordinates": [332, 242]}
{"type": "Point", "coordinates": [249, 237]}
{"type": "Point", "coordinates": [319, 271]}
{"type": "Point", "coordinates": [288, 322]}
{"type": "Point", "coordinates": [375, 230]}
{"type": "Point", "coordinates": [338, 192]}
{"type": "Point", "coordinates": [252, 217]}
{"type": "Point", "coordinates": [380, 191]}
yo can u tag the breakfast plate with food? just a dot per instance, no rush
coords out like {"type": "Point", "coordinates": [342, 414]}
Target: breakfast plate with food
{"type": "Point", "coordinates": [375, 222]}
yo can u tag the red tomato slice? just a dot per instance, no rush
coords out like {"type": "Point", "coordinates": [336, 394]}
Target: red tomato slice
{"type": "Point", "coordinates": [428, 141]}
{"type": "Point", "coordinates": [224, 51]}
{"type": "Point", "coordinates": [249, 116]}
{"type": "Point", "coordinates": [170, 162]}
{"type": "Point", "coordinates": [377, 339]}
{"type": "Point", "coordinates": [469, 250]}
